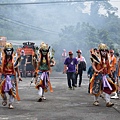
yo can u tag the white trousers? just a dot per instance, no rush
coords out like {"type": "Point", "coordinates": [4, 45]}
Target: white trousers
{"type": "Point", "coordinates": [40, 91]}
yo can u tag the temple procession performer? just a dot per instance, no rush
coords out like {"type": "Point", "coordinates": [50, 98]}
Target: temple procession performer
{"type": "Point", "coordinates": [101, 82]}
{"type": "Point", "coordinates": [8, 81]}
{"type": "Point", "coordinates": [43, 64]}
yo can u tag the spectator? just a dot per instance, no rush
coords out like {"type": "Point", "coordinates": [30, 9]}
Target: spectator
{"type": "Point", "coordinates": [112, 65]}
{"type": "Point", "coordinates": [64, 55]}
{"type": "Point", "coordinates": [70, 66]}
{"type": "Point", "coordinates": [89, 74]}
{"type": "Point", "coordinates": [81, 67]}
{"type": "Point", "coordinates": [23, 63]}
{"type": "Point", "coordinates": [119, 75]}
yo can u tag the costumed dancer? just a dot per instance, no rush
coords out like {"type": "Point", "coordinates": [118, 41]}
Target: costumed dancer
{"type": "Point", "coordinates": [8, 82]}
{"type": "Point", "coordinates": [100, 81]}
{"type": "Point", "coordinates": [43, 64]}
{"type": "Point", "coordinates": [0, 63]}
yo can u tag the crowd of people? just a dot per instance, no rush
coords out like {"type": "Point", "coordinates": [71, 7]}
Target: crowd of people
{"type": "Point", "coordinates": [74, 67]}
{"type": "Point", "coordinates": [103, 73]}
{"type": "Point", "coordinates": [10, 70]}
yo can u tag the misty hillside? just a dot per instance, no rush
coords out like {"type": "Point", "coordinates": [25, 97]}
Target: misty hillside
{"type": "Point", "coordinates": [40, 22]}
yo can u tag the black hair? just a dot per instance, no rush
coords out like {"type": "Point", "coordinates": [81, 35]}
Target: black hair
{"type": "Point", "coordinates": [117, 54]}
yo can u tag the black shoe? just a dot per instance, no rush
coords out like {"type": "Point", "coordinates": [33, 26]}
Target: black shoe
{"type": "Point", "coordinates": [4, 103]}
{"type": "Point", "coordinates": [39, 100]}
{"type": "Point", "coordinates": [70, 88]}
{"type": "Point", "coordinates": [79, 85]}
{"type": "Point", "coordinates": [75, 85]}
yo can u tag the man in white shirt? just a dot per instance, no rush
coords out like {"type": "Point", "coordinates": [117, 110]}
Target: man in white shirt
{"type": "Point", "coordinates": [81, 67]}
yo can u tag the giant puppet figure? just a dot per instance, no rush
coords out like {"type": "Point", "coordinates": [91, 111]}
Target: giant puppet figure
{"type": "Point", "coordinates": [8, 82]}
{"type": "Point", "coordinates": [43, 63]}
{"type": "Point", "coordinates": [101, 82]}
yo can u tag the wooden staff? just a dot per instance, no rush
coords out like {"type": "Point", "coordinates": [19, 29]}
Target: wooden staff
{"type": "Point", "coordinates": [117, 80]}
{"type": "Point", "coordinates": [17, 94]}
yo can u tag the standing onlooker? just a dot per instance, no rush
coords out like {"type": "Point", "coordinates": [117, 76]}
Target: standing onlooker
{"type": "Point", "coordinates": [64, 55]}
{"type": "Point", "coordinates": [23, 63]}
{"type": "Point", "coordinates": [118, 75]}
{"type": "Point", "coordinates": [81, 67]}
{"type": "Point", "coordinates": [70, 66]}
{"type": "Point", "coordinates": [89, 74]}
{"type": "Point", "coordinates": [113, 65]}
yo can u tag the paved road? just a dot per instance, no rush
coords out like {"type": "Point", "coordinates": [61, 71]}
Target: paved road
{"type": "Point", "coordinates": [62, 104]}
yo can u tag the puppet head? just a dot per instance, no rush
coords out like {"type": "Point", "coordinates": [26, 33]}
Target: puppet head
{"type": "Point", "coordinates": [8, 49]}
{"type": "Point", "coordinates": [44, 49]}
{"type": "Point", "coordinates": [44, 57]}
{"type": "Point", "coordinates": [103, 49]}
{"type": "Point", "coordinates": [103, 46]}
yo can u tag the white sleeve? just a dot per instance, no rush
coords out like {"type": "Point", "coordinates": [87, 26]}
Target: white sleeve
{"type": "Point", "coordinates": [84, 60]}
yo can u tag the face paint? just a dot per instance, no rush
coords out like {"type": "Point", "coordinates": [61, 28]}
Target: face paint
{"type": "Point", "coordinates": [103, 53]}
{"type": "Point", "coordinates": [44, 52]}
{"type": "Point", "coordinates": [9, 51]}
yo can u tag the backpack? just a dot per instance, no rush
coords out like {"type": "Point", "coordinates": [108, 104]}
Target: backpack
{"type": "Point", "coordinates": [82, 66]}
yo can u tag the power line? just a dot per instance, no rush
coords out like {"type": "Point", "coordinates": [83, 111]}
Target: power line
{"type": "Point", "coordinates": [17, 41]}
{"type": "Point", "coordinates": [27, 25]}
{"type": "Point", "coordinates": [54, 2]}
{"type": "Point", "coordinates": [16, 30]}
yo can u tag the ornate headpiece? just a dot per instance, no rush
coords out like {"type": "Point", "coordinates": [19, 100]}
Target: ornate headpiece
{"type": "Point", "coordinates": [44, 48]}
{"type": "Point", "coordinates": [8, 49]}
{"type": "Point", "coordinates": [102, 46]}
{"type": "Point", "coordinates": [8, 46]}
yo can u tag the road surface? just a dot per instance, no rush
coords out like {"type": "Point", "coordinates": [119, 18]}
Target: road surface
{"type": "Point", "coordinates": [62, 104]}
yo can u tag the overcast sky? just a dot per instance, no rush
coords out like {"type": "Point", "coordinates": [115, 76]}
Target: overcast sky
{"type": "Point", "coordinates": [116, 3]}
